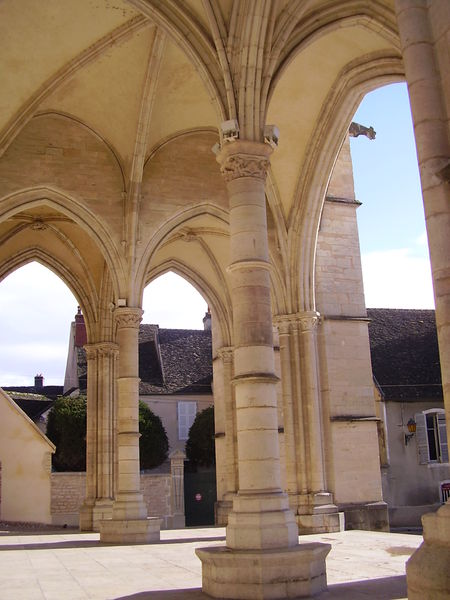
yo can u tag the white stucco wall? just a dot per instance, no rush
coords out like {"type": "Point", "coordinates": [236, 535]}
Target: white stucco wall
{"type": "Point", "coordinates": [25, 456]}
{"type": "Point", "coordinates": [410, 489]}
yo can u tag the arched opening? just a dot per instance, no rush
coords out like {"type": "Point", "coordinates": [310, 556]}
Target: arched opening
{"type": "Point", "coordinates": [398, 285]}
{"type": "Point", "coordinates": [175, 369]}
{"type": "Point", "coordinates": [36, 311]}
{"type": "Point", "coordinates": [391, 223]}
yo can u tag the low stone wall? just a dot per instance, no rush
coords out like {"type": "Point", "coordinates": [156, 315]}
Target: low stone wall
{"type": "Point", "coordinates": [163, 495]}
{"type": "Point", "coordinates": [67, 494]}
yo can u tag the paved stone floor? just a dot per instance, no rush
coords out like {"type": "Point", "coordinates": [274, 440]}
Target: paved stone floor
{"type": "Point", "coordinates": [67, 565]}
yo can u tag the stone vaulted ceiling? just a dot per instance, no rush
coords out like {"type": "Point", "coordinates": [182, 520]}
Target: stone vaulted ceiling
{"type": "Point", "coordinates": [110, 109]}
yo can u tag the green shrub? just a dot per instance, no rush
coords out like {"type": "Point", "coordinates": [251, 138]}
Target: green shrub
{"type": "Point", "coordinates": [153, 443]}
{"type": "Point", "coordinates": [200, 446]}
{"type": "Point", "coordinates": [66, 428]}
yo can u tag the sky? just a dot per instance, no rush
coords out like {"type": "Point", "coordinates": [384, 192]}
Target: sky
{"type": "Point", "coordinates": [36, 307]}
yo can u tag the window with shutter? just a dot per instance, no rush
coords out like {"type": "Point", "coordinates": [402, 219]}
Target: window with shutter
{"type": "Point", "coordinates": [422, 438]}
{"type": "Point", "coordinates": [186, 416]}
{"type": "Point", "coordinates": [431, 436]}
{"type": "Point", "coordinates": [442, 435]}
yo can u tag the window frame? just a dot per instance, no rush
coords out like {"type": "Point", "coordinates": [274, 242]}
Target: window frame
{"type": "Point", "coordinates": [439, 441]}
{"type": "Point", "coordinates": [191, 413]}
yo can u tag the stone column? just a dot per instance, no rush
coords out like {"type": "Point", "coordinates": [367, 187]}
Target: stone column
{"type": "Point", "coordinates": [106, 360]}
{"type": "Point", "coordinates": [262, 557]}
{"type": "Point", "coordinates": [424, 27]}
{"type": "Point", "coordinates": [87, 508]}
{"type": "Point", "coordinates": [225, 426]}
{"type": "Point", "coordinates": [312, 412]}
{"type": "Point", "coordinates": [293, 423]}
{"type": "Point", "coordinates": [312, 503]}
{"type": "Point", "coordinates": [129, 523]}
{"type": "Point", "coordinates": [99, 436]}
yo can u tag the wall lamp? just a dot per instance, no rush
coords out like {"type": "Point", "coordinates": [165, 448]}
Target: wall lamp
{"type": "Point", "coordinates": [411, 425]}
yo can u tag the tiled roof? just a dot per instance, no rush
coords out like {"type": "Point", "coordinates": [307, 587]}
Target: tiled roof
{"type": "Point", "coordinates": [48, 392]}
{"type": "Point", "coordinates": [33, 405]}
{"type": "Point", "coordinates": [184, 364]}
{"type": "Point", "coordinates": [180, 364]}
{"type": "Point", "coordinates": [405, 355]}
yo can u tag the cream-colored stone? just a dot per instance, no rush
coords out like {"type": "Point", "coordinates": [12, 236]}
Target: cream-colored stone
{"type": "Point", "coordinates": [25, 465]}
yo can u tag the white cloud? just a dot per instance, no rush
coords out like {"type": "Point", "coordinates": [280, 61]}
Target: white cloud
{"type": "Point", "coordinates": [171, 302]}
{"type": "Point", "coordinates": [397, 279]}
{"type": "Point", "coordinates": [422, 240]}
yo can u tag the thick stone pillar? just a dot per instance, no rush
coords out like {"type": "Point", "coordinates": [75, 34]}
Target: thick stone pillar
{"type": "Point", "coordinates": [262, 558]}
{"type": "Point", "coordinates": [225, 425]}
{"type": "Point", "coordinates": [310, 499]}
{"type": "Point", "coordinates": [129, 523]}
{"type": "Point", "coordinates": [100, 435]}
{"type": "Point", "coordinates": [424, 28]}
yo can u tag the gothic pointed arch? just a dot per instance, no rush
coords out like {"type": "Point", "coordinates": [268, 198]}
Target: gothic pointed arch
{"type": "Point", "coordinates": [220, 311]}
{"type": "Point", "coordinates": [59, 205]}
{"type": "Point", "coordinates": [353, 83]}
{"type": "Point", "coordinates": [28, 255]}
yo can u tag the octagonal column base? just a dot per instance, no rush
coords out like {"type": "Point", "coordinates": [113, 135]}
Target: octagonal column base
{"type": "Point", "coordinates": [131, 531]}
{"type": "Point", "coordinates": [273, 574]}
{"type": "Point", "coordinates": [427, 571]}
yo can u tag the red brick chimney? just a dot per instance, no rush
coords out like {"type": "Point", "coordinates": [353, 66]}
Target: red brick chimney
{"type": "Point", "coordinates": [80, 330]}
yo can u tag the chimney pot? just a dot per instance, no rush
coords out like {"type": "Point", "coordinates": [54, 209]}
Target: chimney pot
{"type": "Point", "coordinates": [207, 321]}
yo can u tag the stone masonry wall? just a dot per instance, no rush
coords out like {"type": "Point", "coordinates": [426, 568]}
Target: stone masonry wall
{"type": "Point", "coordinates": [68, 492]}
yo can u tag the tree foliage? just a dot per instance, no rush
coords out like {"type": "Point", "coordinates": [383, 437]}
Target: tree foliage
{"type": "Point", "coordinates": [66, 428]}
{"type": "Point", "coordinates": [153, 443]}
{"type": "Point", "coordinates": [200, 446]}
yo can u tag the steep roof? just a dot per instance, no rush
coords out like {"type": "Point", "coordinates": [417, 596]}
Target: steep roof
{"type": "Point", "coordinates": [171, 361]}
{"type": "Point", "coordinates": [48, 392]}
{"type": "Point", "coordinates": [404, 352]}
{"type": "Point", "coordinates": [180, 364]}
{"type": "Point", "coordinates": [33, 405]}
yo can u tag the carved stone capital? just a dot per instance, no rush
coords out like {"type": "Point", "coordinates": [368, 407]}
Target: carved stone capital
{"type": "Point", "coordinates": [129, 318]}
{"type": "Point", "coordinates": [91, 351]}
{"type": "Point", "coordinates": [244, 159]}
{"type": "Point", "coordinates": [308, 321]}
{"type": "Point", "coordinates": [225, 354]}
{"type": "Point", "coordinates": [301, 321]}
{"type": "Point", "coordinates": [108, 349]}
{"type": "Point", "coordinates": [101, 349]}
{"type": "Point", "coordinates": [283, 325]}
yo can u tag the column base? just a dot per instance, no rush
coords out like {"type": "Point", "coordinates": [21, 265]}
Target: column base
{"type": "Point", "coordinates": [427, 571]}
{"type": "Point", "coordinates": [259, 574]}
{"type": "Point", "coordinates": [261, 521]}
{"type": "Point", "coordinates": [331, 522]}
{"type": "Point", "coordinates": [102, 510]}
{"type": "Point", "coordinates": [92, 512]}
{"type": "Point", "coordinates": [370, 516]}
{"type": "Point", "coordinates": [222, 510]}
{"type": "Point", "coordinates": [132, 531]}
{"type": "Point", "coordinates": [86, 516]}
{"type": "Point", "coordinates": [316, 513]}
